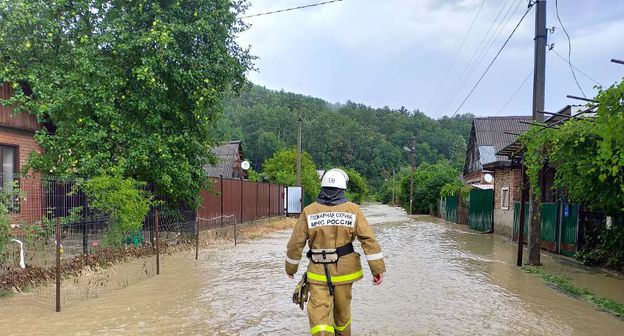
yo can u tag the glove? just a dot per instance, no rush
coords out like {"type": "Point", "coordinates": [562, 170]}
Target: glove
{"type": "Point", "coordinates": [302, 292]}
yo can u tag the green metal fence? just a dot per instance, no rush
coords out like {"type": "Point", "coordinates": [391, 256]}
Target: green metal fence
{"type": "Point", "coordinates": [451, 208]}
{"type": "Point", "coordinates": [548, 233]}
{"type": "Point", "coordinates": [481, 210]}
{"type": "Point", "coordinates": [569, 229]}
{"type": "Point", "coordinates": [554, 215]}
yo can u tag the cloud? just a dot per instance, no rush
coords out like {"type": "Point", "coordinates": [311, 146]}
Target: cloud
{"type": "Point", "coordinates": [395, 52]}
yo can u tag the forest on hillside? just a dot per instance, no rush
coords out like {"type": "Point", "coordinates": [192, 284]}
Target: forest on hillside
{"type": "Point", "coordinates": [368, 140]}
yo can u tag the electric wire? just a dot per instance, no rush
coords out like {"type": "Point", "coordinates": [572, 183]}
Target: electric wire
{"type": "Point", "coordinates": [444, 103]}
{"type": "Point", "coordinates": [576, 68]}
{"type": "Point", "coordinates": [492, 62]}
{"type": "Point", "coordinates": [569, 48]}
{"type": "Point", "coordinates": [291, 9]}
{"type": "Point", "coordinates": [516, 92]}
{"type": "Point", "coordinates": [461, 46]}
{"type": "Point", "coordinates": [489, 45]}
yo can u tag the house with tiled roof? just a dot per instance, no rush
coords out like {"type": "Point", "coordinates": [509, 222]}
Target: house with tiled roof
{"type": "Point", "coordinates": [488, 136]}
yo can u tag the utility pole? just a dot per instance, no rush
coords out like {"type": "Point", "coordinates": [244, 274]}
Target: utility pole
{"type": "Point", "coordinates": [299, 122]}
{"type": "Point", "coordinates": [393, 188]}
{"type": "Point", "coordinates": [539, 79]}
{"type": "Point", "coordinates": [413, 154]}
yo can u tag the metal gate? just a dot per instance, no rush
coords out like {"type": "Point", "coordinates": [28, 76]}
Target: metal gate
{"type": "Point", "coordinates": [559, 229]}
{"type": "Point", "coordinates": [294, 200]}
{"type": "Point", "coordinates": [451, 208]}
{"type": "Point", "coordinates": [480, 215]}
{"type": "Point", "coordinates": [548, 233]}
{"type": "Point", "coordinates": [569, 229]}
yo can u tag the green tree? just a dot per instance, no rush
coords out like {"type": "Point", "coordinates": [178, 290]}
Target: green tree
{"type": "Point", "coordinates": [132, 86]}
{"type": "Point", "coordinates": [588, 155]}
{"type": "Point", "coordinates": [369, 140]}
{"type": "Point", "coordinates": [429, 179]}
{"type": "Point", "coordinates": [357, 188]}
{"type": "Point", "coordinates": [282, 169]}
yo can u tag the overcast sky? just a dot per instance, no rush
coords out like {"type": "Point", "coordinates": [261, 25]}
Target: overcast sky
{"type": "Point", "coordinates": [397, 52]}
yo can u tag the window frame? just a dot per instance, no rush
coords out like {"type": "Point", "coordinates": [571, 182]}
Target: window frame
{"type": "Point", "coordinates": [14, 207]}
{"type": "Point", "coordinates": [507, 198]}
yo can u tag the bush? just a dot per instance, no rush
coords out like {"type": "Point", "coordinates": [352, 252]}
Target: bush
{"type": "Point", "coordinates": [604, 248]}
{"type": "Point", "coordinates": [357, 188]}
{"type": "Point", "coordinates": [124, 202]}
{"type": "Point", "coordinates": [429, 179]}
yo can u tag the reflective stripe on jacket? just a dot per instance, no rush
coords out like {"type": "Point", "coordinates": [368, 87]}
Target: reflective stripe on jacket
{"type": "Point", "coordinates": [327, 227]}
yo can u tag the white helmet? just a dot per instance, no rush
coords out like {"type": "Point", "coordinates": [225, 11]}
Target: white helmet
{"type": "Point", "coordinates": [335, 178]}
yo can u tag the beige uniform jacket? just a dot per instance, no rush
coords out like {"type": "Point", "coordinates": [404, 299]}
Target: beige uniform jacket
{"type": "Point", "coordinates": [328, 227]}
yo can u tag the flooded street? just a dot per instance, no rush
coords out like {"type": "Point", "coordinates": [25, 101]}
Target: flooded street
{"type": "Point", "coordinates": [441, 280]}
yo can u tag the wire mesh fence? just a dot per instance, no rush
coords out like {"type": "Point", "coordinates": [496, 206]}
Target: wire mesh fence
{"type": "Point", "coordinates": [54, 233]}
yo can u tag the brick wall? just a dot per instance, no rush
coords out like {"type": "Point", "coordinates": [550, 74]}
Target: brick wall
{"type": "Point", "coordinates": [32, 197]}
{"type": "Point", "coordinates": [506, 178]}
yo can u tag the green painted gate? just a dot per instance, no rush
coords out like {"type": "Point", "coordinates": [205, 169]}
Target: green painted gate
{"type": "Point", "coordinates": [451, 208]}
{"type": "Point", "coordinates": [548, 232]}
{"type": "Point", "coordinates": [550, 221]}
{"type": "Point", "coordinates": [569, 228]}
{"type": "Point", "coordinates": [525, 232]}
{"type": "Point", "coordinates": [481, 210]}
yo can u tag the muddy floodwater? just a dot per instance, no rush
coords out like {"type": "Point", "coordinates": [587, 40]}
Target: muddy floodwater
{"type": "Point", "coordinates": [442, 280]}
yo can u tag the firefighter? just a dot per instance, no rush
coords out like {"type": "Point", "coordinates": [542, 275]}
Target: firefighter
{"type": "Point", "coordinates": [329, 227]}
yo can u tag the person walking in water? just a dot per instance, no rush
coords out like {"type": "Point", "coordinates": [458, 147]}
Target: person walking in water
{"type": "Point", "coordinates": [329, 226]}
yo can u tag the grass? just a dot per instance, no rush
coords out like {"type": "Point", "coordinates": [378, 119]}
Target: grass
{"type": "Point", "coordinates": [6, 293]}
{"type": "Point", "coordinates": [566, 286]}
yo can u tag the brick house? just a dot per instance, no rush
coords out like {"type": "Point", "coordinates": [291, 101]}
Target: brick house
{"type": "Point", "coordinates": [488, 136]}
{"type": "Point", "coordinates": [16, 143]}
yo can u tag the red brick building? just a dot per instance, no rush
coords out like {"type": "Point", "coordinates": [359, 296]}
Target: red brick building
{"type": "Point", "coordinates": [16, 143]}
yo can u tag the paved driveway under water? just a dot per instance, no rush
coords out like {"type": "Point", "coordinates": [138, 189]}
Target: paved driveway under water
{"type": "Point", "coordinates": [441, 280]}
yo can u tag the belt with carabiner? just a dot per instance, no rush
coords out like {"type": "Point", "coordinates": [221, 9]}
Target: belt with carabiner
{"type": "Point", "coordinates": [329, 256]}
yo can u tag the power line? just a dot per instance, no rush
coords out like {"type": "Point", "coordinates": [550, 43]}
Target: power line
{"type": "Point", "coordinates": [446, 100]}
{"type": "Point", "coordinates": [576, 68]}
{"type": "Point", "coordinates": [488, 46]}
{"type": "Point", "coordinates": [456, 56]}
{"type": "Point", "coordinates": [291, 9]}
{"type": "Point", "coordinates": [492, 62]}
{"type": "Point", "coordinates": [516, 92]}
{"type": "Point", "coordinates": [569, 47]}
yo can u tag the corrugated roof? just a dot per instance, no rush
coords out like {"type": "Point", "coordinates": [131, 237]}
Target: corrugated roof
{"type": "Point", "coordinates": [228, 161]}
{"type": "Point", "coordinates": [490, 131]}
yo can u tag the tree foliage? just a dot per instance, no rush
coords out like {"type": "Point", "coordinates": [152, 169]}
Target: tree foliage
{"type": "Point", "coordinates": [588, 156]}
{"type": "Point", "coordinates": [368, 140]}
{"type": "Point", "coordinates": [429, 179]}
{"type": "Point", "coordinates": [281, 168]}
{"type": "Point", "coordinates": [357, 188]}
{"type": "Point", "coordinates": [123, 200]}
{"type": "Point", "coordinates": [131, 86]}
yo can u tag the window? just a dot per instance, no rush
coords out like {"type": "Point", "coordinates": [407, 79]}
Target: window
{"type": "Point", "coordinates": [8, 174]}
{"type": "Point", "coordinates": [505, 198]}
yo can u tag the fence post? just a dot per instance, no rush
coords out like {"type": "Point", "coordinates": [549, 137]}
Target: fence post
{"type": "Point", "coordinates": [85, 239]}
{"type": "Point", "coordinates": [221, 200]}
{"type": "Point", "coordinates": [58, 264]}
{"type": "Point", "coordinates": [257, 199]}
{"type": "Point", "coordinates": [269, 199]}
{"type": "Point", "coordinates": [157, 244]}
{"type": "Point", "coordinates": [196, 238]}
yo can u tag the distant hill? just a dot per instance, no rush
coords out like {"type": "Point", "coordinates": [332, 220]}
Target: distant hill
{"type": "Point", "coordinates": [369, 140]}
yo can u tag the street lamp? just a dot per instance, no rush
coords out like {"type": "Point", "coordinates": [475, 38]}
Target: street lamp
{"type": "Point", "coordinates": [412, 150]}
